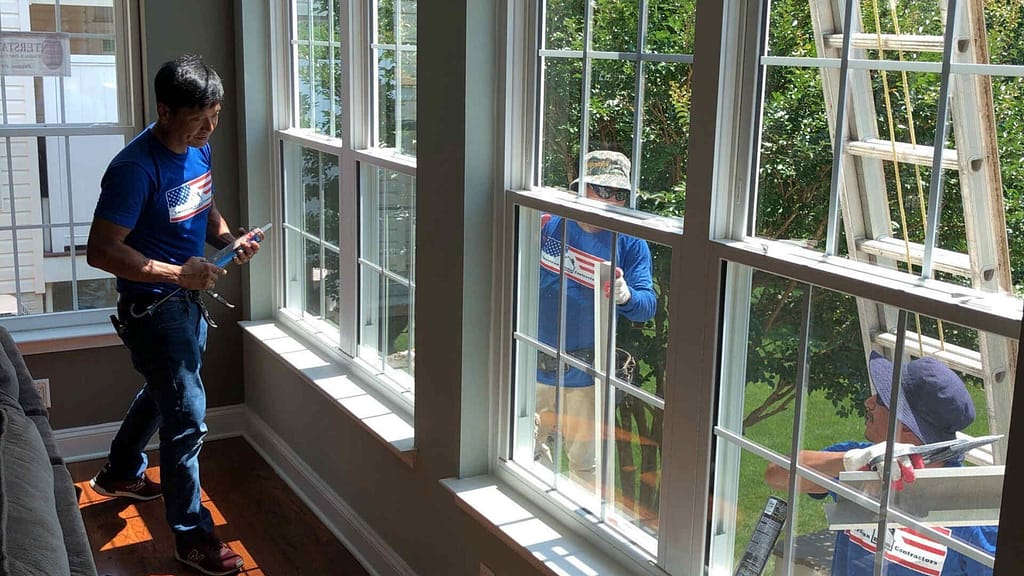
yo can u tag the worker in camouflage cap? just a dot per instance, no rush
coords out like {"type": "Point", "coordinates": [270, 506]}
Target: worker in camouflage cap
{"type": "Point", "coordinates": [608, 172]}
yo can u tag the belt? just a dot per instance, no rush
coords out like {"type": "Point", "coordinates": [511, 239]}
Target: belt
{"type": "Point", "coordinates": [625, 364]}
{"type": "Point", "coordinates": [144, 305]}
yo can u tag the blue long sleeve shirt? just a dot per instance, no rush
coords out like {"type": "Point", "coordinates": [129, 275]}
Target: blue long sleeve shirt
{"type": "Point", "coordinates": [584, 252]}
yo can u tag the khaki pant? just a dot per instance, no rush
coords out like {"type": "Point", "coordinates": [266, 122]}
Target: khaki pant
{"type": "Point", "coordinates": [577, 426]}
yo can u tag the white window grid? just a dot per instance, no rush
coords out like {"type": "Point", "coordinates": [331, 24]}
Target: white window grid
{"type": "Point", "coordinates": [721, 237]}
{"type": "Point", "coordinates": [641, 57]}
{"type": "Point", "coordinates": [349, 140]}
{"type": "Point", "coordinates": [123, 38]}
{"type": "Point", "coordinates": [904, 292]}
{"type": "Point", "coordinates": [403, 49]}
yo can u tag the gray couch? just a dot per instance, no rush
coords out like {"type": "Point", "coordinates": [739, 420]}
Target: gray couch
{"type": "Point", "coordinates": [41, 529]}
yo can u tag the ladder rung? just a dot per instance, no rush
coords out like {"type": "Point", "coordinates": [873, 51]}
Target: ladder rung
{"type": "Point", "coordinates": [958, 358]}
{"type": "Point", "coordinates": [905, 153]}
{"type": "Point", "coordinates": [945, 260]}
{"type": "Point", "coordinates": [905, 42]}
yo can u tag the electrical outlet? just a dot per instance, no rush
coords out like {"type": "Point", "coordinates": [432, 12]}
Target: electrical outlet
{"type": "Point", "coordinates": [485, 571]}
{"type": "Point", "coordinates": [43, 387]}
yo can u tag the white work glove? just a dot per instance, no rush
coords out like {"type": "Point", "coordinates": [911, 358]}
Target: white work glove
{"type": "Point", "coordinates": [858, 458]}
{"type": "Point", "coordinates": [621, 289]}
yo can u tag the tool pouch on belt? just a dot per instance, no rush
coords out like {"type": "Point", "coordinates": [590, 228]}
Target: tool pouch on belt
{"type": "Point", "coordinates": [625, 364]}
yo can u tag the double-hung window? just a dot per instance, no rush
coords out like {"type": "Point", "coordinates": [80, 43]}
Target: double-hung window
{"type": "Point", "coordinates": [597, 225]}
{"type": "Point", "coordinates": [70, 103]}
{"type": "Point", "coordinates": [848, 277]}
{"type": "Point", "coordinates": [870, 285]}
{"type": "Point", "coordinates": [347, 144]}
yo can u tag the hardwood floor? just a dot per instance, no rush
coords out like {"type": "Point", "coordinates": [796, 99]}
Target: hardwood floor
{"type": "Point", "coordinates": [253, 509]}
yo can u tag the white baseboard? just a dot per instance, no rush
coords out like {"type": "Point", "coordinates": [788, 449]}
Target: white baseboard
{"type": "Point", "coordinates": [92, 442]}
{"type": "Point", "coordinates": [365, 544]}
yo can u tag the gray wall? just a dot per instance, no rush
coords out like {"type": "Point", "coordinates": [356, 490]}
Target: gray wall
{"type": "Point", "coordinates": [95, 386]}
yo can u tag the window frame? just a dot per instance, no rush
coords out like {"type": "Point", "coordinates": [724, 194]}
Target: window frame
{"type": "Point", "coordinates": [78, 328]}
{"type": "Point", "coordinates": [719, 180]}
{"type": "Point", "coordinates": [353, 149]}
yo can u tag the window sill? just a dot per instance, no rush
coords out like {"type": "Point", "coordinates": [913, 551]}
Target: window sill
{"type": "Point", "coordinates": [339, 383]}
{"type": "Point", "coordinates": [548, 544]}
{"type": "Point", "coordinates": [65, 338]}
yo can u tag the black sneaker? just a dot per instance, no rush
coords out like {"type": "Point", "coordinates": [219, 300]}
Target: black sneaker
{"type": "Point", "coordinates": [138, 489]}
{"type": "Point", "coordinates": [209, 556]}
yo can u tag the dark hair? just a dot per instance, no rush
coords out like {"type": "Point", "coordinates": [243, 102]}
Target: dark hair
{"type": "Point", "coordinates": [188, 82]}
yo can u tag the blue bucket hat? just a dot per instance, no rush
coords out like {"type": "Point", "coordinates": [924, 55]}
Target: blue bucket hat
{"type": "Point", "coordinates": [933, 400]}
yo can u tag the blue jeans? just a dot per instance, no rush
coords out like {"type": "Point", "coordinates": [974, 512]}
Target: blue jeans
{"type": "Point", "coordinates": [166, 348]}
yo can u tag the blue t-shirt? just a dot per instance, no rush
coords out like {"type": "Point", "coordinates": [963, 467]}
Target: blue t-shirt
{"type": "Point", "coordinates": [585, 251]}
{"type": "Point", "coordinates": [910, 554]}
{"type": "Point", "coordinates": [163, 197]}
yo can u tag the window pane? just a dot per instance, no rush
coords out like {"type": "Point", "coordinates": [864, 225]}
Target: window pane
{"type": "Point", "coordinates": [612, 88]}
{"type": "Point", "coordinates": [666, 123]}
{"type": "Point", "coordinates": [806, 344]}
{"type": "Point", "coordinates": [406, 104]}
{"type": "Point", "coordinates": [643, 118]}
{"type": "Point", "coordinates": [892, 201]}
{"type": "Point", "coordinates": [615, 26]}
{"type": "Point", "coordinates": [564, 25]}
{"type": "Point", "coordinates": [387, 279]}
{"type": "Point", "coordinates": [311, 217]}
{"type": "Point", "coordinates": [560, 133]}
{"type": "Point", "coordinates": [395, 87]}
{"type": "Point", "coordinates": [387, 94]}
{"type": "Point", "coordinates": [573, 417]}
{"type": "Point", "coordinates": [318, 67]}
{"type": "Point", "coordinates": [92, 92]}
{"type": "Point", "coordinates": [670, 26]}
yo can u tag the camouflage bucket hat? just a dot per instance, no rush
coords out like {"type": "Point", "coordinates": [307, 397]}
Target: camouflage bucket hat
{"type": "Point", "coordinates": [605, 168]}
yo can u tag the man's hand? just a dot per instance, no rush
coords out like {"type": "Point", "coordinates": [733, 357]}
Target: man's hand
{"type": "Point", "coordinates": [246, 250]}
{"type": "Point", "coordinates": [858, 459]}
{"type": "Point", "coordinates": [622, 292]}
{"type": "Point", "coordinates": [198, 274]}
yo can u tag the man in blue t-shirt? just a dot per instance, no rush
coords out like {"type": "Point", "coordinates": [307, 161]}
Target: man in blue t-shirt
{"type": "Point", "coordinates": [155, 214]}
{"type": "Point", "coordinates": [933, 406]}
{"type": "Point", "coordinates": [606, 179]}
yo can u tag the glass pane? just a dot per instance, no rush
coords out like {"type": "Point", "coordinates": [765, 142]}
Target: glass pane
{"type": "Point", "coordinates": [407, 102]}
{"type": "Point", "coordinates": [329, 178]}
{"type": "Point", "coordinates": [314, 279]}
{"type": "Point", "coordinates": [305, 86]}
{"type": "Point", "coordinates": [666, 130]}
{"type": "Point", "coordinates": [593, 420]}
{"type": "Point", "coordinates": [407, 22]}
{"type": "Point", "coordinates": [320, 22]}
{"type": "Point", "coordinates": [560, 136]}
{"type": "Point", "coordinates": [302, 18]}
{"type": "Point", "coordinates": [72, 169]}
{"type": "Point", "coordinates": [332, 287]}
{"type": "Point", "coordinates": [670, 26]}
{"type": "Point", "coordinates": [99, 293]}
{"type": "Point", "coordinates": [323, 103]}
{"type": "Point", "coordinates": [564, 25]}
{"type": "Point", "coordinates": [385, 21]}
{"type": "Point", "coordinates": [387, 96]}
{"type": "Point", "coordinates": [387, 207]}
{"type": "Point", "coordinates": [615, 25]}
{"type": "Point", "coordinates": [636, 473]}
{"type": "Point", "coordinates": [311, 187]}
{"type": "Point", "coordinates": [954, 385]}
{"type": "Point", "coordinates": [1002, 22]}
{"type": "Point", "coordinates": [336, 95]}
{"type": "Point", "coordinates": [612, 103]}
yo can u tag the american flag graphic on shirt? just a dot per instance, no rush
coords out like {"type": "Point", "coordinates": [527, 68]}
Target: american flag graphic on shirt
{"type": "Point", "coordinates": [190, 198]}
{"type": "Point", "coordinates": [906, 547]}
{"type": "Point", "coordinates": [579, 265]}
